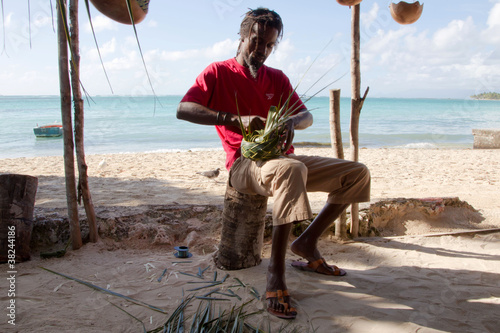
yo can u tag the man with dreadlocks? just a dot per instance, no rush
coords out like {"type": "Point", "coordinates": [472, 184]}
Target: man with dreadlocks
{"type": "Point", "coordinates": [244, 83]}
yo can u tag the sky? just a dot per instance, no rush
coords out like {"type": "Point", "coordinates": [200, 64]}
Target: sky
{"type": "Point", "coordinates": [452, 51]}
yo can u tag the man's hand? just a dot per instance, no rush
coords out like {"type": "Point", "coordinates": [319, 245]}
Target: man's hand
{"type": "Point", "coordinates": [288, 134]}
{"type": "Point", "coordinates": [254, 122]}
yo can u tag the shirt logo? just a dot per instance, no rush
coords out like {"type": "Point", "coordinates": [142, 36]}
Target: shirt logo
{"type": "Point", "coordinates": [269, 96]}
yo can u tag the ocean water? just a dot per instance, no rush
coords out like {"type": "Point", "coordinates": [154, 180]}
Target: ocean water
{"type": "Point", "coordinates": [121, 124]}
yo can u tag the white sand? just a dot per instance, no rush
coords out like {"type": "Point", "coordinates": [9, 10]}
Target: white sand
{"type": "Point", "coordinates": [405, 284]}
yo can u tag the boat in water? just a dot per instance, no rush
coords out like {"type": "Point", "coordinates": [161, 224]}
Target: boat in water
{"type": "Point", "coordinates": [48, 131]}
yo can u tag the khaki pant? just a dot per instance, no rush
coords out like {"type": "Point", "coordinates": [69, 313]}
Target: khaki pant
{"type": "Point", "coordinates": [289, 178]}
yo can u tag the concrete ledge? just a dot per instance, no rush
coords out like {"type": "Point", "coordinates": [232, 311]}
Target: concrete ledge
{"type": "Point", "coordinates": [486, 138]}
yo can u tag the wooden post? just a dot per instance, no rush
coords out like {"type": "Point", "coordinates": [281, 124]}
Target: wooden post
{"type": "Point", "coordinates": [69, 158]}
{"type": "Point", "coordinates": [335, 128]}
{"type": "Point", "coordinates": [355, 84]}
{"type": "Point", "coordinates": [243, 225]}
{"type": "Point", "coordinates": [83, 185]}
{"type": "Point", "coordinates": [17, 201]}
{"type": "Point", "coordinates": [338, 152]}
{"type": "Point", "coordinates": [356, 105]}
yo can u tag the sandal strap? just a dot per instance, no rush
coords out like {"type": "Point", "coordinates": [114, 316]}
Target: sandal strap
{"type": "Point", "coordinates": [315, 264]}
{"type": "Point", "coordinates": [277, 294]}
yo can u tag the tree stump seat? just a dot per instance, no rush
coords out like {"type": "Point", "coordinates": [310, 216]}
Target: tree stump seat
{"type": "Point", "coordinates": [17, 201]}
{"type": "Point", "coordinates": [243, 225]}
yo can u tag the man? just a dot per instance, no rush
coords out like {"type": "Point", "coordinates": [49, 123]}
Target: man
{"type": "Point", "coordinates": [246, 85]}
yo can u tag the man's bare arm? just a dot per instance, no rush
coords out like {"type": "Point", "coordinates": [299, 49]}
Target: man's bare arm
{"type": "Point", "coordinates": [302, 120]}
{"type": "Point", "coordinates": [199, 114]}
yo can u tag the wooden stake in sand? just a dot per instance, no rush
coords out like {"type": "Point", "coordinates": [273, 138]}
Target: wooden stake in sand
{"type": "Point", "coordinates": [83, 184]}
{"type": "Point", "coordinates": [65, 92]}
{"type": "Point", "coordinates": [338, 151]}
{"type": "Point", "coordinates": [356, 105]}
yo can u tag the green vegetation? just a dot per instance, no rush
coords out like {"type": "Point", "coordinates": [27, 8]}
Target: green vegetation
{"type": "Point", "coordinates": [488, 95]}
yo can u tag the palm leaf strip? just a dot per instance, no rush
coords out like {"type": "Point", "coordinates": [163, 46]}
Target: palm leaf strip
{"type": "Point", "coordinates": [107, 291]}
{"type": "Point", "coordinates": [97, 45]}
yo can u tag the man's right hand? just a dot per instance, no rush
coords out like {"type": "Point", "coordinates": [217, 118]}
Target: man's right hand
{"type": "Point", "coordinates": [253, 122]}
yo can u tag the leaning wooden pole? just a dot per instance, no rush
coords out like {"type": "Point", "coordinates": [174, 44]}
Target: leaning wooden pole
{"type": "Point", "coordinates": [83, 184]}
{"type": "Point", "coordinates": [338, 151]}
{"type": "Point", "coordinates": [65, 92]}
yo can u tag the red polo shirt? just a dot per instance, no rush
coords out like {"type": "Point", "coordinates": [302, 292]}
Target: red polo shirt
{"type": "Point", "coordinates": [224, 84]}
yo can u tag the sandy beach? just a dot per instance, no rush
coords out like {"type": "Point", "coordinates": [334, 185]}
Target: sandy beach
{"type": "Point", "coordinates": [407, 283]}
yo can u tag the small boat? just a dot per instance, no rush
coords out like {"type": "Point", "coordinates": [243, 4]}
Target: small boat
{"type": "Point", "coordinates": [48, 131]}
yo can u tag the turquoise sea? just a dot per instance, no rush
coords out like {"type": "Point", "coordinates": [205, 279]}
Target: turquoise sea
{"type": "Point", "coordinates": [120, 124]}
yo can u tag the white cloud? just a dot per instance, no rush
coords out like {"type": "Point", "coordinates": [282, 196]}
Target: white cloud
{"type": "Point", "coordinates": [492, 34]}
{"type": "Point", "coordinates": [367, 19]}
{"type": "Point", "coordinates": [105, 49]}
{"type": "Point", "coordinates": [101, 23]}
{"type": "Point", "coordinates": [152, 23]}
{"type": "Point", "coordinates": [456, 36]}
{"type": "Point", "coordinates": [218, 51]}
{"type": "Point", "coordinates": [7, 20]}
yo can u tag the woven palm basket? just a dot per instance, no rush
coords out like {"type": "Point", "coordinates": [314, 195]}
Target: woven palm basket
{"type": "Point", "coordinates": [261, 151]}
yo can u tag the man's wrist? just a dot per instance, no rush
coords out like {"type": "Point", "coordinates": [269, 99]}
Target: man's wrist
{"type": "Point", "coordinates": [221, 118]}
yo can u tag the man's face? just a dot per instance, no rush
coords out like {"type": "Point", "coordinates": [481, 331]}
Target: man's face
{"type": "Point", "coordinates": [257, 47]}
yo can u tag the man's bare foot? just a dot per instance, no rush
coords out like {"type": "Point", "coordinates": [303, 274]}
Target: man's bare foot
{"type": "Point", "coordinates": [315, 262]}
{"type": "Point", "coordinates": [305, 249]}
{"type": "Point", "coordinates": [278, 299]}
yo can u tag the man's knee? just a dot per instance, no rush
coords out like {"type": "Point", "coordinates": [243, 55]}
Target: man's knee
{"type": "Point", "coordinates": [293, 168]}
{"type": "Point", "coordinates": [363, 171]}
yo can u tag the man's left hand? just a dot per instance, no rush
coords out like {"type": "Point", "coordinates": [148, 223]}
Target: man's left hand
{"type": "Point", "coordinates": [288, 134]}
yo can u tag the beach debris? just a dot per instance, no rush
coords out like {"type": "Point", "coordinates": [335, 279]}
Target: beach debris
{"type": "Point", "coordinates": [189, 274]}
{"type": "Point", "coordinates": [254, 292]}
{"type": "Point", "coordinates": [211, 292]}
{"type": "Point", "coordinates": [162, 275]}
{"type": "Point", "coordinates": [210, 174]}
{"type": "Point", "coordinates": [201, 271]}
{"type": "Point", "coordinates": [148, 266]}
{"type": "Point", "coordinates": [59, 286]}
{"type": "Point", "coordinates": [216, 283]}
{"type": "Point", "coordinates": [102, 164]}
{"type": "Point", "coordinates": [241, 283]}
{"type": "Point", "coordinates": [212, 298]}
{"type": "Point", "coordinates": [234, 294]}
{"type": "Point", "coordinates": [182, 252]}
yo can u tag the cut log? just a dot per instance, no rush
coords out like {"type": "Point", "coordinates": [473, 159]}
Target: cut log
{"type": "Point", "coordinates": [242, 236]}
{"type": "Point", "coordinates": [17, 201]}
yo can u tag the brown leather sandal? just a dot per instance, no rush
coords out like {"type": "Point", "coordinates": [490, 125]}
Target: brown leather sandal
{"type": "Point", "coordinates": [288, 312]}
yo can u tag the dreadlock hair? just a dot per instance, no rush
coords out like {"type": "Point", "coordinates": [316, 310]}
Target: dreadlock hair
{"type": "Point", "coordinates": [268, 18]}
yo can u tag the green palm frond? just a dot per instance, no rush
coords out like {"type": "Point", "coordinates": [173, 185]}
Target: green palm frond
{"type": "Point", "coordinates": [265, 144]}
